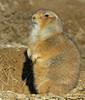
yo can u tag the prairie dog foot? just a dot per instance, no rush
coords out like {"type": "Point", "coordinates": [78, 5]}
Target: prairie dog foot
{"type": "Point", "coordinates": [44, 87]}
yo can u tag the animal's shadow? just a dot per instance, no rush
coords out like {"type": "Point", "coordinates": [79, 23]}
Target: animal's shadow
{"type": "Point", "coordinates": [28, 75]}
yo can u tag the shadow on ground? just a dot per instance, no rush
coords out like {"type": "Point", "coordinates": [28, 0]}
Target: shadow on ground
{"type": "Point", "coordinates": [28, 75]}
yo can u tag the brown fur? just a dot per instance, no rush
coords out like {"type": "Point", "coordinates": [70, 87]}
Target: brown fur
{"type": "Point", "coordinates": [56, 58]}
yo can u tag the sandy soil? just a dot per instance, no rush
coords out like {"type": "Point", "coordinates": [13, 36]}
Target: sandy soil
{"type": "Point", "coordinates": [11, 68]}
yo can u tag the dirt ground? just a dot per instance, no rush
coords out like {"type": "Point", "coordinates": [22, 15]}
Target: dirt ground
{"type": "Point", "coordinates": [15, 26]}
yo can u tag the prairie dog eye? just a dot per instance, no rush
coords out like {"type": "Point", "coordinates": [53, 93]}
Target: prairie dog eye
{"type": "Point", "coordinates": [46, 15]}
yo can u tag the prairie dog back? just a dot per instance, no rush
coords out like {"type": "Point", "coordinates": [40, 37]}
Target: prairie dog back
{"type": "Point", "coordinates": [56, 58]}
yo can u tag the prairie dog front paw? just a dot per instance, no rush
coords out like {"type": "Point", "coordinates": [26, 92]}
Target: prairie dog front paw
{"type": "Point", "coordinates": [29, 52]}
{"type": "Point", "coordinates": [35, 57]}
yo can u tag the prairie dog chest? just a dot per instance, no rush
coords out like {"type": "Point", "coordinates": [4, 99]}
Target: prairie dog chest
{"type": "Point", "coordinates": [45, 48]}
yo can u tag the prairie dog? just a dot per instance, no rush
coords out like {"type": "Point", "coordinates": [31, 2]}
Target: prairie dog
{"type": "Point", "coordinates": [56, 58]}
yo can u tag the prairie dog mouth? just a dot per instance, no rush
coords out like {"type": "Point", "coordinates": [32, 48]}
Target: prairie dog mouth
{"type": "Point", "coordinates": [34, 24]}
{"type": "Point", "coordinates": [34, 21]}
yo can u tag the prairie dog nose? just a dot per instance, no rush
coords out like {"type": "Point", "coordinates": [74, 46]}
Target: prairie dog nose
{"type": "Point", "coordinates": [33, 17]}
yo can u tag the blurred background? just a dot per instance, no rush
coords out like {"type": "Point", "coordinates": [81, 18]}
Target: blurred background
{"type": "Point", "coordinates": [15, 23]}
{"type": "Point", "coordinates": [15, 18]}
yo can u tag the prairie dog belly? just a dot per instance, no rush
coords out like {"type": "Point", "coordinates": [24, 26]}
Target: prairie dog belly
{"type": "Point", "coordinates": [59, 70]}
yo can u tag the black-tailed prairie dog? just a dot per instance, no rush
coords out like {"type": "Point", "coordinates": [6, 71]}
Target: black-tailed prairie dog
{"type": "Point", "coordinates": [56, 58]}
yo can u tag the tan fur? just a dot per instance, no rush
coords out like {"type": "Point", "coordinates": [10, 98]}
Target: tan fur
{"type": "Point", "coordinates": [56, 58]}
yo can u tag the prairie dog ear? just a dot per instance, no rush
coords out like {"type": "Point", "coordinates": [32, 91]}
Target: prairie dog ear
{"type": "Point", "coordinates": [59, 24]}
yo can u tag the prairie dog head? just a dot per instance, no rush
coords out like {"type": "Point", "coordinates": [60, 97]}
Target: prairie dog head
{"type": "Point", "coordinates": [45, 23]}
{"type": "Point", "coordinates": [47, 20]}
